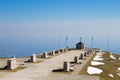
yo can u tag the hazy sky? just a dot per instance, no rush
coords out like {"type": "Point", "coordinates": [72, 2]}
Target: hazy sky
{"type": "Point", "coordinates": [36, 19]}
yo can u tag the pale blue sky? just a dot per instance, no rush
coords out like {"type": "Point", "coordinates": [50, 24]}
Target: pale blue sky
{"type": "Point", "coordinates": [48, 19]}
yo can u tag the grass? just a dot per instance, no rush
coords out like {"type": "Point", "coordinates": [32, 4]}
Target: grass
{"type": "Point", "coordinates": [84, 70]}
{"type": "Point", "coordinates": [109, 67]}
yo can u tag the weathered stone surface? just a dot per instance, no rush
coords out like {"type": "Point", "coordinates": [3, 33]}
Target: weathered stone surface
{"type": "Point", "coordinates": [81, 56]}
{"type": "Point", "coordinates": [88, 52]}
{"type": "Point", "coordinates": [66, 50]}
{"type": "Point", "coordinates": [53, 52]}
{"type": "Point", "coordinates": [33, 58]}
{"type": "Point", "coordinates": [45, 55]}
{"type": "Point", "coordinates": [85, 54]}
{"type": "Point", "coordinates": [76, 59]}
{"type": "Point", "coordinates": [11, 64]}
{"type": "Point", "coordinates": [62, 50]}
{"type": "Point", "coordinates": [66, 66]}
{"type": "Point", "coordinates": [58, 51]}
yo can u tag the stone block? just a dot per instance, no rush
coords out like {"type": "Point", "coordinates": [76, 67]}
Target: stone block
{"type": "Point", "coordinates": [45, 55]}
{"type": "Point", "coordinates": [11, 64]}
{"type": "Point", "coordinates": [66, 66]}
{"type": "Point", "coordinates": [85, 54]}
{"type": "Point", "coordinates": [76, 59]}
{"type": "Point", "coordinates": [33, 58]}
{"type": "Point", "coordinates": [53, 52]}
{"type": "Point", "coordinates": [81, 56]}
{"type": "Point", "coordinates": [58, 51]}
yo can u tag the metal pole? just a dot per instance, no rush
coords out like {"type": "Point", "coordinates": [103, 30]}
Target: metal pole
{"type": "Point", "coordinates": [66, 41]}
{"type": "Point", "coordinates": [80, 39]}
{"type": "Point", "coordinates": [92, 42]}
{"type": "Point", "coordinates": [108, 43]}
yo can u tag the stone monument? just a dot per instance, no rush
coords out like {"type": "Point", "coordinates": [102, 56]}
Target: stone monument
{"type": "Point", "coordinates": [45, 55]}
{"type": "Point", "coordinates": [85, 54]}
{"type": "Point", "coordinates": [53, 52]}
{"type": "Point", "coordinates": [76, 59]}
{"type": "Point", "coordinates": [11, 64]}
{"type": "Point", "coordinates": [58, 51]}
{"type": "Point", "coordinates": [66, 66]}
{"type": "Point", "coordinates": [33, 58]}
{"type": "Point", "coordinates": [81, 56]}
{"type": "Point", "coordinates": [62, 50]}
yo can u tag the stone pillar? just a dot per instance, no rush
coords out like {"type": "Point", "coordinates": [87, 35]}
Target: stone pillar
{"type": "Point", "coordinates": [33, 58]}
{"type": "Point", "coordinates": [76, 59]}
{"type": "Point", "coordinates": [11, 64]}
{"type": "Point", "coordinates": [66, 49]}
{"type": "Point", "coordinates": [66, 66]}
{"type": "Point", "coordinates": [58, 51]}
{"type": "Point", "coordinates": [85, 54]}
{"type": "Point", "coordinates": [53, 52]}
{"type": "Point", "coordinates": [88, 52]}
{"type": "Point", "coordinates": [62, 50]}
{"type": "Point", "coordinates": [45, 55]}
{"type": "Point", "coordinates": [81, 56]}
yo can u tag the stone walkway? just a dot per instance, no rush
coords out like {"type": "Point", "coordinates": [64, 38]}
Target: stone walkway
{"type": "Point", "coordinates": [43, 70]}
{"type": "Point", "coordinates": [73, 75]}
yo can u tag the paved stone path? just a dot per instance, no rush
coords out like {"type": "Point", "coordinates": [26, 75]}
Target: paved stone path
{"type": "Point", "coordinates": [73, 75]}
{"type": "Point", "coordinates": [43, 70]}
